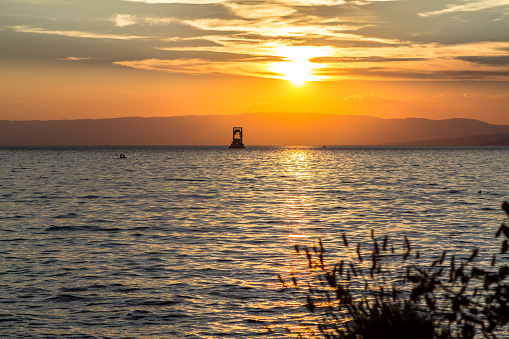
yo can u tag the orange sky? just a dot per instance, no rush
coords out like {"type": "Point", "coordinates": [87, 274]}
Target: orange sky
{"type": "Point", "coordinates": [101, 59]}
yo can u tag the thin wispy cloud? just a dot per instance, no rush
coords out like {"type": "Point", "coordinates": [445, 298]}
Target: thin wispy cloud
{"type": "Point", "coordinates": [199, 67]}
{"type": "Point", "coordinates": [75, 34]}
{"type": "Point", "coordinates": [373, 98]}
{"type": "Point", "coordinates": [71, 58]}
{"type": "Point", "coordinates": [468, 7]}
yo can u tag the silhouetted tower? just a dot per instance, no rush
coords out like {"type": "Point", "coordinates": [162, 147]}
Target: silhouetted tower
{"type": "Point", "coordinates": [237, 138]}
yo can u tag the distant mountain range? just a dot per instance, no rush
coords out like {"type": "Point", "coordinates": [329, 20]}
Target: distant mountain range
{"type": "Point", "coordinates": [498, 139]}
{"type": "Point", "coordinates": [259, 129]}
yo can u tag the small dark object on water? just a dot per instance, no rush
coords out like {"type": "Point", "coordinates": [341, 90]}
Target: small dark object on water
{"type": "Point", "coordinates": [122, 156]}
{"type": "Point", "coordinates": [237, 138]}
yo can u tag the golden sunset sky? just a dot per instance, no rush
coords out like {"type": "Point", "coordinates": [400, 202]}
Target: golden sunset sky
{"type": "Point", "coordinates": [74, 59]}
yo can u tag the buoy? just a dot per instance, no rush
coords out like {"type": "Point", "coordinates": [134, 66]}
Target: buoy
{"type": "Point", "coordinates": [237, 138]}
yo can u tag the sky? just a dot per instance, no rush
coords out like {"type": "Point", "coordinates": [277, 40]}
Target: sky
{"type": "Point", "coordinates": [78, 59]}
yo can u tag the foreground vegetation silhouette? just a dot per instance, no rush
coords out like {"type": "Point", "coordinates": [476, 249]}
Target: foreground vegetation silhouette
{"type": "Point", "coordinates": [389, 292]}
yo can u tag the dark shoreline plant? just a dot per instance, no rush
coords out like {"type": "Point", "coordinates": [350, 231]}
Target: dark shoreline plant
{"type": "Point", "coordinates": [450, 298]}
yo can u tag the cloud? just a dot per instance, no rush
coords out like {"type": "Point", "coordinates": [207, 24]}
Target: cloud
{"type": "Point", "coordinates": [122, 20]}
{"type": "Point", "coordinates": [260, 11]}
{"type": "Point", "coordinates": [189, 44]}
{"type": "Point", "coordinates": [158, 21]}
{"type": "Point", "coordinates": [197, 66]}
{"type": "Point", "coordinates": [495, 97]}
{"type": "Point", "coordinates": [373, 98]}
{"type": "Point", "coordinates": [366, 39]}
{"type": "Point", "coordinates": [70, 58]}
{"type": "Point", "coordinates": [487, 60]}
{"type": "Point", "coordinates": [392, 74]}
{"type": "Point", "coordinates": [75, 34]}
{"type": "Point", "coordinates": [362, 59]}
{"type": "Point", "coordinates": [469, 7]}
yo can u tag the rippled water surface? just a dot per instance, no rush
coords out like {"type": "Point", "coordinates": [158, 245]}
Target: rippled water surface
{"type": "Point", "coordinates": [188, 242]}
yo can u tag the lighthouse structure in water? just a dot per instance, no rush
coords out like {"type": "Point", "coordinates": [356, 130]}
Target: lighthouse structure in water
{"type": "Point", "coordinates": [237, 138]}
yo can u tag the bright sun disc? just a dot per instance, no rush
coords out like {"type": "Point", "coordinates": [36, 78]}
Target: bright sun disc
{"type": "Point", "coordinates": [298, 69]}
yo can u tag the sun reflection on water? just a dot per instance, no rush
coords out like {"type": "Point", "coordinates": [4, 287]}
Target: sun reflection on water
{"type": "Point", "coordinates": [298, 203]}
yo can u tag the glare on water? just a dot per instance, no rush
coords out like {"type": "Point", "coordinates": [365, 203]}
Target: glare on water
{"type": "Point", "coordinates": [188, 242]}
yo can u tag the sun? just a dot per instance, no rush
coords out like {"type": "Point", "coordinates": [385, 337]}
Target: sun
{"type": "Point", "coordinates": [297, 68]}
{"type": "Point", "coordinates": [296, 71]}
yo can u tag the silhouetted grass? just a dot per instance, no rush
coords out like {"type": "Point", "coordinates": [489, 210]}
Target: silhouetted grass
{"type": "Point", "coordinates": [389, 293]}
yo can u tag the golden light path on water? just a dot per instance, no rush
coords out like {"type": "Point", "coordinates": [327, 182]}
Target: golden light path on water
{"type": "Point", "coordinates": [181, 242]}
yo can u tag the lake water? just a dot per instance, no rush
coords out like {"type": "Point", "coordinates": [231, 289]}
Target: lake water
{"type": "Point", "coordinates": [187, 242]}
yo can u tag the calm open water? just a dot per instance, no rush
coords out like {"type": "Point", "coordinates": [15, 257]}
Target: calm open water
{"type": "Point", "coordinates": [187, 242]}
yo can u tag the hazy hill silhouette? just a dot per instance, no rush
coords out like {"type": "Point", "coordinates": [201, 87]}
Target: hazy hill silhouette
{"type": "Point", "coordinates": [501, 139]}
{"type": "Point", "coordinates": [259, 129]}
{"type": "Point", "coordinates": [499, 142]}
